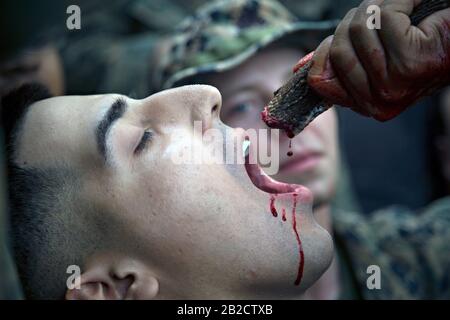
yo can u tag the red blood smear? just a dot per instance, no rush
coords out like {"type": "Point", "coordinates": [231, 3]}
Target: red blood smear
{"type": "Point", "coordinates": [274, 123]}
{"type": "Point", "coordinates": [272, 206]}
{"type": "Point", "coordinates": [297, 236]}
{"type": "Point", "coordinates": [303, 61]}
{"type": "Point", "coordinates": [299, 241]}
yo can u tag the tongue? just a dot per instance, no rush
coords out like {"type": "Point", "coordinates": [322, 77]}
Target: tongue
{"type": "Point", "coordinates": [265, 183]}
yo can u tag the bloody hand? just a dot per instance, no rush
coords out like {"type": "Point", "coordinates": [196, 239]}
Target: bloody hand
{"type": "Point", "coordinates": [379, 73]}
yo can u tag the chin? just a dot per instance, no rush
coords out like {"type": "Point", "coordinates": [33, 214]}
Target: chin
{"type": "Point", "coordinates": [292, 249]}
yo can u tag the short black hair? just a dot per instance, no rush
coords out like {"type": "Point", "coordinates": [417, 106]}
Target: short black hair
{"type": "Point", "coordinates": [48, 224]}
{"type": "Point", "coordinates": [15, 104]}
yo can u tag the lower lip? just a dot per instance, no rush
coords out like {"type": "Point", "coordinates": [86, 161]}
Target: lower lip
{"type": "Point", "coordinates": [304, 164]}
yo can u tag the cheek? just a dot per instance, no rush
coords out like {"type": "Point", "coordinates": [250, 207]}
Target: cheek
{"type": "Point", "coordinates": [325, 127]}
{"type": "Point", "coordinates": [327, 121]}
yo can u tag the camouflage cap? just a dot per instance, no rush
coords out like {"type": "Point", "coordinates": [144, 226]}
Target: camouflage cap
{"type": "Point", "coordinates": [225, 33]}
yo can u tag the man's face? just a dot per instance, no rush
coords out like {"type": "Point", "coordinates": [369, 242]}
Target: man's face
{"type": "Point", "coordinates": [205, 231]}
{"type": "Point", "coordinates": [249, 87]}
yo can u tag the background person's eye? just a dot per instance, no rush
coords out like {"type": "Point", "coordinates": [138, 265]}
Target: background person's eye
{"type": "Point", "coordinates": [146, 137]}
{"type": "Point", "coordinates": [241, 107]}
{"type": "Point", "coordinates": [243, 114]}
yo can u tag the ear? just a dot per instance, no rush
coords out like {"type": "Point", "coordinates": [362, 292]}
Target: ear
{"type": "Point", "coordinates": [123, 279]}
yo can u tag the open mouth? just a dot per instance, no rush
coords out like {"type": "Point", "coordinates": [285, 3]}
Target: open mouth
{"type": "Point", "coordinates": [261, 180]}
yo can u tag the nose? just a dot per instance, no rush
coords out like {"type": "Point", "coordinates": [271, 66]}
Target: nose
{"type": "Point", "coordinates": [188, 103]}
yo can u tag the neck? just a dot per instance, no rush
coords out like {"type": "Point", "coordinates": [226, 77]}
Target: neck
{"type": "Point", "coordinates": [327, 287]}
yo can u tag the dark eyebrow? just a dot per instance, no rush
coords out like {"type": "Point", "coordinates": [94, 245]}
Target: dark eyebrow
{"type": "Point", "coordinates": [114, 112]}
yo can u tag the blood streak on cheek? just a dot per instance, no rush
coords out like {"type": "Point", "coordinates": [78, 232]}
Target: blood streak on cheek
{"type": "Point", "coordinates": [296, 232]}
{"type": "Point", "coordinates": [299, 241]}
{"type": "Point", "coordinates": [283, 214]}
{"type": "Point", "coordinates": [272, 206]}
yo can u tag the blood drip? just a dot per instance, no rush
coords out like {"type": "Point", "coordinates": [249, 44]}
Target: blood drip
{"type": "Point", "coordinates": [299, 241]}
{"type": "Point", "coordinates": [283, 215]}
{"type": "Point", "coordinates": [290, 134]}
{"type": "Point", "coordinates": [272, 206]}
{"type": "Point", "coordinates": [274, 123]}
{"type": "Point", "coordinates": [290, 153]}
{"type": "Point", "coordinates": [297, 236]}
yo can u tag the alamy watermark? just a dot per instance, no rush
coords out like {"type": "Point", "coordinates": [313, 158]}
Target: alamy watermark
{"type": "Point", "coordinates": [374, 20]}
{"type": "Point", "coordinates": [73, 21]}
{"type": "Point", "coordinates": [74, 280]}
{"type": "Point", "coordinates": [228, 146]}
{"type": "Point", "coordinates": [374, 279]}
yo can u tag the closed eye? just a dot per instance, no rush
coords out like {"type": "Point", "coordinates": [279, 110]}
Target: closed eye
{"type": "Point", "coordinates": [146, 137]}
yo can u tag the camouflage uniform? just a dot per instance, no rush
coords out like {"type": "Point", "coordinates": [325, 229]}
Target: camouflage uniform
{"type": "Point", "coordinates": [112, 50]}
{"type": "Point", "coordinates": [412, 250]}
{"type": "Point", "coordinates": [222, 35]}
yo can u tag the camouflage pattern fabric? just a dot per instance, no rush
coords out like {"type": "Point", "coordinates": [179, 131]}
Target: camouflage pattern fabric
{"type": "Point", "coordinates": [113, 50]}
{"type": "Point", "coordinates": [412, 250]}
{"type": "Point", "coordinates": [223, 34]}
